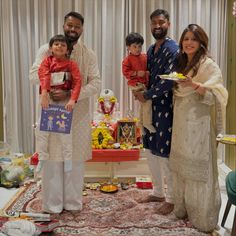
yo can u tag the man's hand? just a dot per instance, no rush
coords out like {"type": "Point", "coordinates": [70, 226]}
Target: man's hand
{"type": "Point", "coordinates": [139, 96]}
{"type": "Point", "coordinates": [59, 94]}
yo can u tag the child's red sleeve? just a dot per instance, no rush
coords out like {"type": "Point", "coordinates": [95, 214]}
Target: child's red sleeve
{"type": "Point", "coordinates": [45, 74]}
{"type": "Point", "coordinates": [76, 81]}
{"type": "Point", "coordinates": [126, 69]}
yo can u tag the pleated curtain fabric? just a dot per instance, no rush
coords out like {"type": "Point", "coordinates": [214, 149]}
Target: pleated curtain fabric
{"type": "Point", "coordinates": [27, 24]}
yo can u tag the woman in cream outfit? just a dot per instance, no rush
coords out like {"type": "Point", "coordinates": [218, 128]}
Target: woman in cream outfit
{"type": "Point", "coordinates": [199, 112]}
{"type": "Point", "coordinates": [62, 183]}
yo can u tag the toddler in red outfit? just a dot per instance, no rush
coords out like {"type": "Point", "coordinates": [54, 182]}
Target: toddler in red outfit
{"type": "Point", "coordinates": [59, 72]}
{"type": "Point", "coordinates": [134, 68]}
{"type": "Point", "coordinates": [56, 72]}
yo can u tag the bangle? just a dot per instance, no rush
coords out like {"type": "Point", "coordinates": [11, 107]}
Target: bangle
{"type": "Point", "coordinates": [197, 87]}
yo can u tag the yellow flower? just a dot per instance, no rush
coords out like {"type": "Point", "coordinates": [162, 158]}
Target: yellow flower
{"type": "Point", "coordinates": [113, 99]}
{"type": "Point", "coordinates": [107, 116]}
{"type": "Point", "coordinates": [101, 138]}
{"type": "Point", "coordinates": [100, 99]}
{"type": "Point", "coordinates": [126, 146]}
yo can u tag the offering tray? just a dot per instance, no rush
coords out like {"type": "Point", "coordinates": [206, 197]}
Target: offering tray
{"type": "Point", "coordinates": [173, 76]}
{"type": "Point", "coordinates": [109, 188]}
{"type": "Point", "coordinates": [226, 139]}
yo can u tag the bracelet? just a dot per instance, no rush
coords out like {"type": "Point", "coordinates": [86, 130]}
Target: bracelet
{"type": "Point", "coordinates": [197, 87]}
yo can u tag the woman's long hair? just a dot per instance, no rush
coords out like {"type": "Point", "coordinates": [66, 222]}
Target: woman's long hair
{"type": "Point", "coordinates": [183, 66]}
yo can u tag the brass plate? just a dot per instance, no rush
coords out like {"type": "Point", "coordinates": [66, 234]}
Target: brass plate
{"type": "Point", "coordinates": [109, 188]}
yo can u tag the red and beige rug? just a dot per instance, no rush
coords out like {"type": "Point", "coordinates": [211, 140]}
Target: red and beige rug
{"type": "Point", "coordinates": [118, 214]}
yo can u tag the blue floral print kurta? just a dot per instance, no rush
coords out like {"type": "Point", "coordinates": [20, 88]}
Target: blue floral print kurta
{"type": "Point", "coordinates": [160, 91]}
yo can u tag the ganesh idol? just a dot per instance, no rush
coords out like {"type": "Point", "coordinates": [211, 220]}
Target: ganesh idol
{"type": "Point", "coordinates": [107, 108]}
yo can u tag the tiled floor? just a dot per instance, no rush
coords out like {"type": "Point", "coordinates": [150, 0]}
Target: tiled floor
{"type": "Point", "coordinates": [6, 195]}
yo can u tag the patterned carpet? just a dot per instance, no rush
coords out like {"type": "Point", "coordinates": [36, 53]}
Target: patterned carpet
{"type": "Point", "coordinates": [118, 214]}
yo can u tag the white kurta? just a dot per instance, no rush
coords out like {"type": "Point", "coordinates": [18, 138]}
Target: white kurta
{"type": "Point", "coordinates": [81, 124]}
{"type": "Point", "coordinates": [193, 157]}
{"type": "Point", "coordinates": [63, 190]}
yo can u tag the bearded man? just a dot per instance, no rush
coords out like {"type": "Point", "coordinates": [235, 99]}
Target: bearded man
{"type": "Point", "coordinates": [161, 56]}
{"type": "Point", "coordinates": [62, 181]}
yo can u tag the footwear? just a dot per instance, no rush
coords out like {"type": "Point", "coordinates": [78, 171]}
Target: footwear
{"type": "Point", "coordinates": [152, 198]}
{"type": "Point", "coordinates": [166, 208]}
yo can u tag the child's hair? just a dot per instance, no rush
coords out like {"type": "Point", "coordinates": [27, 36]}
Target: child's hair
{"type": "Point", "coordinates": [59, 38]}
{"type": "Point", "coordinates": [134, 38]}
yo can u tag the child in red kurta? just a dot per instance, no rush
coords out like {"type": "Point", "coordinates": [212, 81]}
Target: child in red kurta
{"type": "Point", "coordinates": [58, 72]}
{"type": "Point", "coordinates": [134, 68]}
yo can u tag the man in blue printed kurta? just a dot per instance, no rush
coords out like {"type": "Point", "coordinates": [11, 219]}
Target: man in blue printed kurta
{"type": "Point", "coordinates": [161, 56]}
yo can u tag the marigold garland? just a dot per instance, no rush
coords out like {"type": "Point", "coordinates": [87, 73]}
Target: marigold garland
{"type": "Point", "coordinates": [105, 110]}
{"type": "Point", "coordinates": [101, 138]}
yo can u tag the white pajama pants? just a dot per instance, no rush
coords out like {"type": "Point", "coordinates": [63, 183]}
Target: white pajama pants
{"type": "Point", "coordinates": [160, 171]}
{"type": "Point", "coordinates": [62, 190]}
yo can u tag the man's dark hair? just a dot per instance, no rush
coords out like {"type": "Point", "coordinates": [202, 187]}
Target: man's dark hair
{"type": "Point", "coordinates": [159, 12]}
{"type": "Point", "coordinates": [59, 38]}
{"type": "Point", "coordinates": [75, 15]}
{"type": "Point", "coordinates": [134, 38]}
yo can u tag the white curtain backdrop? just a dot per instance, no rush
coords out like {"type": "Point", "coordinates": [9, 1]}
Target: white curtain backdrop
{"type": "Point", "coordinates": [27, 24]}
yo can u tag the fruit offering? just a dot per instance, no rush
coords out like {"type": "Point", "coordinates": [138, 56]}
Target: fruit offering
{"type": "Point", "coordinates": [173, 76]}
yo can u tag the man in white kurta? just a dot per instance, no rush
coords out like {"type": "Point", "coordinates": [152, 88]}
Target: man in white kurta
{"type": "Point", "coordinates": [62, 183]}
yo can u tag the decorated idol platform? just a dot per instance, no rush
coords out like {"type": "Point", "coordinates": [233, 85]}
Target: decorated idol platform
{"type": "Point", "coordinates": [114, 138]}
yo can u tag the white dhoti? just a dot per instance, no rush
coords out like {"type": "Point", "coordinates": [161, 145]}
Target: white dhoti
{"type": "Point", "coordinates": [62, 190]}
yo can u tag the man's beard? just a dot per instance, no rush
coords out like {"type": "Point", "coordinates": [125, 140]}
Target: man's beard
{"type": "Point", "coordinates": [159, 35]}
{"type": "Point", "coordinates": [72, 39]}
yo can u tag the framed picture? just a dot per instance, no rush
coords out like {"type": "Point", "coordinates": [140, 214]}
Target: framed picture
{"type": "Point", "coordinates": [126, 132]}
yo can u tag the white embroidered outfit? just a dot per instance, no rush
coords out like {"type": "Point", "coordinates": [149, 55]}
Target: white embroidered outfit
{"type": "Point", "coordinates": [63, 190]}
{"type": "Point", "coordinates": [193, 157]}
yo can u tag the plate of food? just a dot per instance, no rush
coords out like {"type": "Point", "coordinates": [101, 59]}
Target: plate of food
{"type": "Point", "coordinates": [173, 76]}
{"type": "Point", "coordinates": [109, 188]}
{"type": "Point", "coordinates": [226, 138]}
